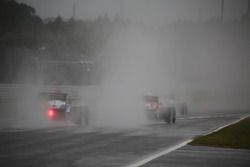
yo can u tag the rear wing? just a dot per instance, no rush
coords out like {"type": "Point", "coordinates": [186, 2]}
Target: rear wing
{"type": "Point", "coordinates": [151, 103]}
{"type": "Point", "coordinates": [47, 96]}
{"type": "Point", "coordinates": [152, 99]}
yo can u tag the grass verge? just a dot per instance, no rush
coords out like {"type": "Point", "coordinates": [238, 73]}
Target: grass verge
{"type": "Point", "coordinates": [233, 136]}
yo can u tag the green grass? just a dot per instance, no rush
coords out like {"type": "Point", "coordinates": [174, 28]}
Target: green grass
{"type": "Point", "coordinates": [233, 136]}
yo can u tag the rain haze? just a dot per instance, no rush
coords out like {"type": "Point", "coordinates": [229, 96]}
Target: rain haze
{"type": "Point", "coordinates": [195, 51]}
{"type": "Point", "coordinates": [124, 83]}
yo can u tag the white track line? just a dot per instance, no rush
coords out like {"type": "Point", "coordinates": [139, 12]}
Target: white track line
{"type": "Point", "coordinates": [168, 150]}
{"type": "Point", "coordinates": [206, 117]}
{"type": "Point", "coordinates": [219, 128]}
{"type": "Point", "coordinates": [158, 154]}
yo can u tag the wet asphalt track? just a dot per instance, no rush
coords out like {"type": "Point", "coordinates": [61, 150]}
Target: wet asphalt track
{"type": "Point", "coordinates": [72, 146]}
{"type": "Point", "coordinates": [190, 156]}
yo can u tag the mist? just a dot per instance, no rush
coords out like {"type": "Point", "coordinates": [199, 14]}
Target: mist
{"type": "Point", "coordinates": [128, 60]}
{"type": "Point", "coordinates": [201, 59]}
{"type": "Point", "coordinates": [213, 62]}
{"type": "Point", "coordinates": [205, 65]}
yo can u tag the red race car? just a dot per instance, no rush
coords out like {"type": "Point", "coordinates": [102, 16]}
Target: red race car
{"type": "Point", "coordinates": [156, 110]}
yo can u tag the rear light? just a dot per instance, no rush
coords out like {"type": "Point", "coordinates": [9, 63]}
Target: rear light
{"type": "Point", "coordinates": [148, 105]}
{"type": "Point", "coordinates": [153, 106]}
{"type": "Point", "coordinates": [51, 113]}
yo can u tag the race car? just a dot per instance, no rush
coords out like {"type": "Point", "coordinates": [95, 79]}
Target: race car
{"type": "Point", "coordinates": [156, 110]}
{"type": "Point", "coordinates": [58, 107]}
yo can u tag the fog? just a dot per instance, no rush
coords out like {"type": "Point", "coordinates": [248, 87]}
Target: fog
{"type": "Point", "coordinates": [199, 64]}
{"type": "Point", "coordinates": [24, 110]}
{"type": "Point", "coordinates": [213, 61]}
{"type": "Point", "coordinates": [131, 70]}
{"type": "Point", "coordinates": [202, 61]}
{"type": "Point", "coordinates": [205, 65]}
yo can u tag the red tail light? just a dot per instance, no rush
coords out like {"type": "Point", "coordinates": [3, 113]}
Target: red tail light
{"type": "Point", "coordinates": [51, 113]}
{"type": "Point", "coordinates": [153, 106]}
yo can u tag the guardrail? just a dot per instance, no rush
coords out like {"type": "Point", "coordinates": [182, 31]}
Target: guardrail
{"type": "Point", "coordinates": [10, 92]}
{"type": "Point", "coordinates": [14, 92]}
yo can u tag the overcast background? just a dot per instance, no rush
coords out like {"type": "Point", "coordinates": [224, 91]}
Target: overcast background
{"type": "Point", "coordinates": [146, 11]}
{"type": "Point", "coordinates": [202, 61]}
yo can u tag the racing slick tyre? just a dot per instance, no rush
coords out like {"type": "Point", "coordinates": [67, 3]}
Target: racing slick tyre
{"type": "Point", "coordinates": [167, 120]}
{"type": "Point", "coordinates": [174, 119]}
{"type": "Point", "coordinates": [166, 116]}
{"type": "Point", "coordinates": [173, 115]}
{"type": "Point", "coordinates": [169, 115]}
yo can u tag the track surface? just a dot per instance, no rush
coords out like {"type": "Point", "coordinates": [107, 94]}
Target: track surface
{"type": "Point", "coordinates": [71, 146]}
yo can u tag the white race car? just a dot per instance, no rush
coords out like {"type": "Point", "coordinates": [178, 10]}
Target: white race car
{"type": "Point", "coordinates": [59, 108]}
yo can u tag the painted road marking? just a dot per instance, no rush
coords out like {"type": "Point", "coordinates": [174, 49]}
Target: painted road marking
{"type": "Point", "coordinates": [206, 117]}
{"type": "Point", "coordinates": [221, 127]}
{"type": "Point", "coordinates": [158, 154]}
{"type": "Point", "coordinates": [168, 150]}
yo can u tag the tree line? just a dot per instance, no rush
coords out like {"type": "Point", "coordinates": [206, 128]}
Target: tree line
{"type": "Point", "coordinates": [22, 27]}
{"type": "Point", "coordinates": [26, 37]}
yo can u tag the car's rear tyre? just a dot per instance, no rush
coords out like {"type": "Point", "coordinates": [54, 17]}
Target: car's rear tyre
{"type": "Point", "coordinates": [167, 120]}
{"type": "Point", "coordinates": [173, 115]}
{"type": "Point", "coordinates": [165, 115]}
{"type": "Point", "coordinates": [174, 119]}
{"type": "Point", "coordinates": [168, 115]}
